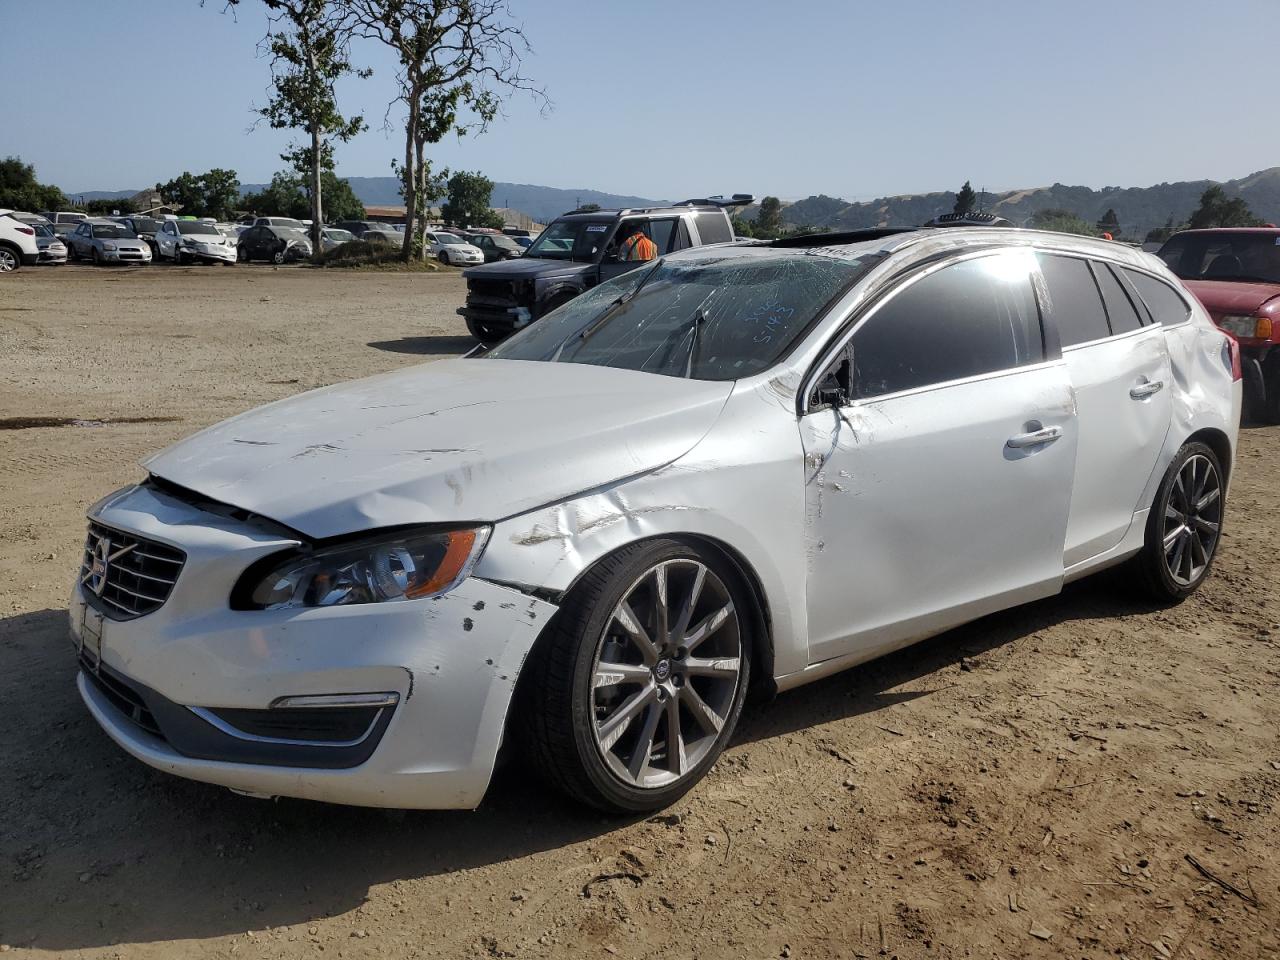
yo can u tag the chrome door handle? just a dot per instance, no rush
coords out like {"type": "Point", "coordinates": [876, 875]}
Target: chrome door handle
{"type": "Point", "coordinates": [1035, 437]}
{"type": "Point", "coordinates": [1143, 390]}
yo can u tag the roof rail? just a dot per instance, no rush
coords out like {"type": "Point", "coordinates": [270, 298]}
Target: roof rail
{"type": "Point", "coordinates": [737, 200]}
{"type": "Point", "coordinates": [968, 220]}
{"type": "Point", "coordinates": [833, 239]}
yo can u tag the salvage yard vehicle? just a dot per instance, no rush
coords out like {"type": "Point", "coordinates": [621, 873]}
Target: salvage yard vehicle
{"type": "Point", "coordinates": [449, 248]}
{"type": "Point", "coordinates": [331, 238]}
{"type": "Point", "coordinates": [18, 245]}
{"type": "Point", "coordinates": [756, 462]}
{"type": "Point", "coordinates": [578, 251]}
{"type": "Point", "coordinates": [144, 228]}
{"type": "Point", "coordinates": [1235, 273]}
{"type": "Point", "coordinates": [105, 241]}
{"type": "Point", "coordinates": [52, 249]}
{"type": "Point", "coordinates": [277, 244]}
{"type": "Point", "coordinates": [186, 241]}
{"type": "Point", "coordinates": [495, 246]}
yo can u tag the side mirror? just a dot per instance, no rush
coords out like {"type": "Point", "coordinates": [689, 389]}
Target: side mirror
{"type": "Point", "coordinates": [836, 387]}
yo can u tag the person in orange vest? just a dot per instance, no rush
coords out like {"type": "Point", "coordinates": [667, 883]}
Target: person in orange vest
{"type": "Point", "coordinates": [636, 246]}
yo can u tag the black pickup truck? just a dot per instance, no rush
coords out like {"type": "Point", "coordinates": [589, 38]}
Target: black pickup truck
{"type": "Point", "coordinates": [579, 250]}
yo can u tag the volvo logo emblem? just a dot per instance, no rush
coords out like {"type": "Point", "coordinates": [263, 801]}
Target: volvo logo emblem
{"type": "Point", "coordinates": [98, 563]}
{"type": "Point", "coordinates": [100, 558]}
{"type": "Point", "coordinates": [662, 670]}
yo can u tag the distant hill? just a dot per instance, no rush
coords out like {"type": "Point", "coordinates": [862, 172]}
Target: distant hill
{"type": "Point", "coordinates": [541, 203]}
{"type": "Point", "coordinates": [1138, 208]}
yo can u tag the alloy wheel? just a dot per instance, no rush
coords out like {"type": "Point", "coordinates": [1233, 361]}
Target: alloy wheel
{"type": "Point", "coordinates": [666, 673]}
{"type": "Point", "coordinates": [8, 260]}
{"type": "Point", "coordinates": [1192, 520]}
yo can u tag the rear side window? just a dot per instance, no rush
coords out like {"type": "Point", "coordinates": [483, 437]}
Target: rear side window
{"type": "Point", "coordinates": [967, 319]}
{"type": "Point", "coordinates": [1162, 300]}
{"type": "Point", "coordinates": [1074, 300]}
{"type": "Point", "coordinates": [714, 227]}
{"type": "Point", "coordinates": [1120, 310]}
{"type": "Point", "coordinates": [660, 232]}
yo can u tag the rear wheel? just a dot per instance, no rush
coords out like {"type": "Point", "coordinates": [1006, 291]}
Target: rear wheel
{"type": "Point", "coordinates": [9, 261]}
{"type": "Point", "coordinates": [640, 680]}
{"type": "Point", "coordinates": [1185, 525]}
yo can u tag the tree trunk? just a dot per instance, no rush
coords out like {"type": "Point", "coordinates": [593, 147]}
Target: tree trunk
{"type": "Point", "coordinates": [317, 206]}
{"type": "Point", "coordinates": [409, 179]}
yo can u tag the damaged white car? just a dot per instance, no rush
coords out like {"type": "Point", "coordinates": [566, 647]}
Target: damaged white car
{"type": "Point", "coordinates": [742, 465]}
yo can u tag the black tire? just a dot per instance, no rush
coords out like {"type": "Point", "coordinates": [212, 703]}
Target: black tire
{"type": "Point", "coordinates": [486, 334]}
{"type": "Point", "coordinates": [278, 256]}
{"type": "Point", "coordinates": [242, 255]}
{"type": "Point", "coordinates": [177, 256]}
{"type": "Point", "coordinates": [10, 259]}
{"type": "Point", "coordinates": [93, 255]}
{"type": "Point", "coordinates": [1268, 410]}
{"type": "Point", "coordinates": [560, 716]}
{"type": "Point", "coordinates": [1155, 565]}
{"type": "Point", "coordinates": [443, 257]}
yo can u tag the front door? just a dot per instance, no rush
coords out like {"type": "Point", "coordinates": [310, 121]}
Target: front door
{"type": "Point", "coordinates": [938, 491]}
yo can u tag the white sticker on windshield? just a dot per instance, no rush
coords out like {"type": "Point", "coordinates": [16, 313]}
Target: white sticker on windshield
{"type": "Point", "coordinates": [602, 227]}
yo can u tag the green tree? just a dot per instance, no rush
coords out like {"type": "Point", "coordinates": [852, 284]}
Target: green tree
{"type": "Point", "coordinates": [1218, 210]}
{"type": "Point", "coordinates": [769, 218]}
{"type": "Point", "coordinates": [309, 41]}
{"type": "Point", "coordinates": [105, 207]}
{"type": "Point", "coordinates": [1062, 221]}
{"type": "Point", "coordinates": [215, 193]}
{"type": "Point", "coordinates": [340, 203]}
{"type": "Point", "coordinates": [1161, 234]}
{"type": "Point", "coordinates": [287, 196]}
{"type": "Point", "coordinates": [19, 189]}
{"type": "Point", "coordinates": [455, 57]}
{"type": "Point", "coordinates": [966, 199]}
{"type": "Point", "coordinates": [1110, 223]}
{"type": "Point", "coordinates": [742, 227]}
{"type": "Point", "coordinates": [468, 202]}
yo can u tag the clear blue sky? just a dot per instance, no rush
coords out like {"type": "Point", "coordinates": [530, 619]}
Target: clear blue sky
{"type": "Point", "coordinates": [855, 98]}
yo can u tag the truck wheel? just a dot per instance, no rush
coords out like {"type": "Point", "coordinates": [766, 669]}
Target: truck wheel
{"type": "Point", "coordinates": [1268, 409]}
{"type": "Point", "coordinates": [484, 333]}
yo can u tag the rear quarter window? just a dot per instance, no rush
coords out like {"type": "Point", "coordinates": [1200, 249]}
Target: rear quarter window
{"type": "Point", "coordinates": [1125, 316]}
{"type": "Point", "coordinates": [713, 227]}
{"type": "Point", "coordinates": [1166, 305]}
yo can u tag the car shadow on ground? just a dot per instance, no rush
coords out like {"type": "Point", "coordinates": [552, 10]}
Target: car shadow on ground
{"type": "Point", "coordinates": [426, 346]}
{"type": "Point", "coordinates": [97, 849]}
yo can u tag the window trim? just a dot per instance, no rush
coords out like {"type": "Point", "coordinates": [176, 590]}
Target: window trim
{"type": "Point", "coordinates": [849, 326]}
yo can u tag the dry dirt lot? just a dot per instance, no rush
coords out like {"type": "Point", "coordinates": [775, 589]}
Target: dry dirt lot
{"type": "Point", "coordinates": [1028, 786]}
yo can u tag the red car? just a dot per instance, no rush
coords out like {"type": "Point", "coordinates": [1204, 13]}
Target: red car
{"type": "Point", "coordinates": [1235, 273]}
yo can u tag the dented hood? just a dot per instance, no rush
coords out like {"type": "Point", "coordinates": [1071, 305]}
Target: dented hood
{"type": "Point", "coordinates": [445, 442]}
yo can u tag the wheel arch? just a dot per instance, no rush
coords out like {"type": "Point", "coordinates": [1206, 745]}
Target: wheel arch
{"type": "Point", "coordinates": [762, 649]}
{"type": "Point", "coordinates": [1217, 441]}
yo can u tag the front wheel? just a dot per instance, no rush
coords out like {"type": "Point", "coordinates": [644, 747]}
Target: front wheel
{"type": "Point", "coordinates": [640, 681]}
{"type": "Point", "coordinates": [278, 257]}
{"type": "Point", "coordinates": [443, 258]}
{"type": "Point", "coordinates": [484, 333]}
{"type": "Point", "coordinates": [1185, 525]}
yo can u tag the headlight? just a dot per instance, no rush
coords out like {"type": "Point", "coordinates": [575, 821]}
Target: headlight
{"type": "Point", "coordinates": [188, 242]}
{"type": "Point", "coordinates": [1247, 326]}
{"type": "Point", "coordinates": [405, 567]}
{"type": "Point", "coordinates": [108, 246]}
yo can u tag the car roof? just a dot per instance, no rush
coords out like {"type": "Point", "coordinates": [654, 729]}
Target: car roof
{"type": "Point", "coordinates": [856, 243]}
{"type": "Point", "coordinates": [660, 210]}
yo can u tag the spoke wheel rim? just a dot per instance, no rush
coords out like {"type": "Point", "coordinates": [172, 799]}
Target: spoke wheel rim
{"type": "Point", "coordinates": [7, 261]}
{"type": "Point", "coordinates": [1192, 520]}
{"type": "Point", "coordinates": [665, 674]}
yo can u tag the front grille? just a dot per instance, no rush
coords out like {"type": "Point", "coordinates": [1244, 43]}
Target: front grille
{"type": "Point", "coordinates": [127, 576]}
{"type": "Point", "coordinates": [496, 291]}
{"type": "Point", "coordinates": [122, 696]}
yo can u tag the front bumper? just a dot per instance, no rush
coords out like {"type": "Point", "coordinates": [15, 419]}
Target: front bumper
{"type": "Point", "coordinates": [30, 259]}
{"type": "Point", "coordinates": [212, 254]}
{"type": "Point", "coordinates": [53, 256]}
{"type": "Point", "coordinates": [451, 662]}
{"type": "Point", "coordinates": [125, 256]}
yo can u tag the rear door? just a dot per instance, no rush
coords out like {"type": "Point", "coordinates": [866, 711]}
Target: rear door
{"type": "Point", "coordinates": [1120, 373]}
{"type": "Point", "coordinates": [939, 492]}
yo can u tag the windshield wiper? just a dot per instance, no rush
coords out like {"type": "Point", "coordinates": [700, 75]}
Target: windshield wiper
{"type": "Point", "coordinates": [610, 311]}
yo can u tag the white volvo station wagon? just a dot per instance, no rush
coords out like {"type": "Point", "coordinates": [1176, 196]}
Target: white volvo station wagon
{"type": "Point", "coordinates": [745, 464]}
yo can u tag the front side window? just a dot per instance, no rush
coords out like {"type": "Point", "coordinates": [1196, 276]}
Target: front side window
{"type": "Point", "coordinates": [975, 317]}
{"type": "Point", "coordinates": [710, 318]}
{"type": "Point", "coordinates": [1074, 300]}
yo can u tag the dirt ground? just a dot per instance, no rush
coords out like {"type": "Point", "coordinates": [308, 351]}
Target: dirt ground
{"type": "Point", "coordinates": [1035, 784]}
